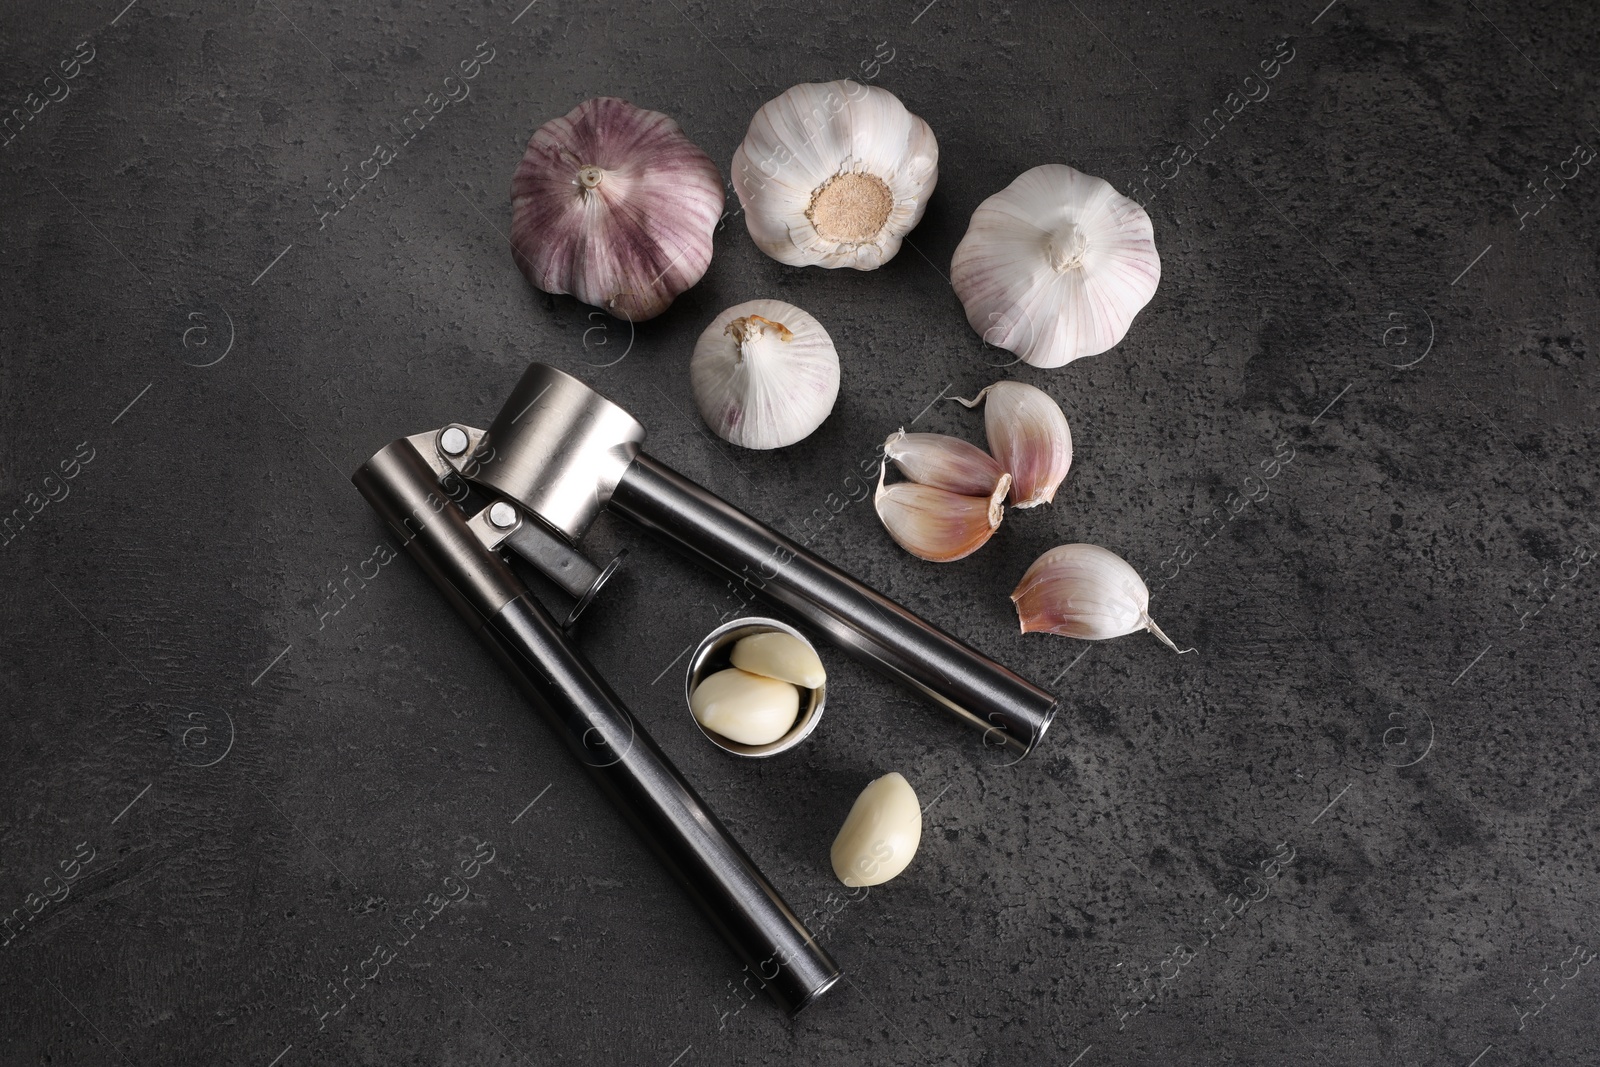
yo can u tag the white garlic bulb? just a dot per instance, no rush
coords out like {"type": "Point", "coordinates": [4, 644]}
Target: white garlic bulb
{"type": "Point", "coordinates": [765, 374]}
{"type": "Point", "coordinates": [613, 204]}
{"type": "Point", "coordinates": [880, 835]}
{"type": "Point", "coordinates": [1085, 591]}
{"type": "Point", "coordinates": [1028, 434]}
{"type": "Point", "coordinates": [1055, 266]}
{"type": "Point", "coordinates": [834, 174]}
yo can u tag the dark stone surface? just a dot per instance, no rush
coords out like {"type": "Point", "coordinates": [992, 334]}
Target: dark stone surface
{"type": "Point", "coordinates": [1377, 687]}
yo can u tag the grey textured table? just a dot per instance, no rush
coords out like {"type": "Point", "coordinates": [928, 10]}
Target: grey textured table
{"type": "Point", "coordinates": [238, 785]}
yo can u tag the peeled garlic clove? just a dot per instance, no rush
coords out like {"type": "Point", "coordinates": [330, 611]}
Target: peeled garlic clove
{"type": "Point", "coordinates": [779, 655]}
{"type": "Point", "coordinates": [744, 707]}
{"type": "Point", "coordinates": [834, 174]}
{"type": "Point", "coordinates": [613, 204]}
{"type": "Point", "coordinates": [947, 463]}
{"type": "Point", "coordinates": [1085, 591]}
{"type": "Point", "coordinates": [1055, 266]}
{"type": "Point", "coordinates": [880, 835]}
{"type": "Point", "coordinates": [765, 374]}
{"type": "Point", "coordinates": [936, 524]}
{"type": "Point", "coordinates": [1028, 434]}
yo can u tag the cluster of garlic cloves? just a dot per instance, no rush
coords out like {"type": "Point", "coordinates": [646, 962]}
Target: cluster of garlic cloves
{"type": "Point", "coordinates": [1087, 592]}
{"type": "Point", "coordinates": [952, 503]}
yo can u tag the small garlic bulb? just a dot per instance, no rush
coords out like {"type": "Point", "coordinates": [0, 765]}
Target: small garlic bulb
{"type": "Point", "coordinates": [614, 205]}
{"type": "Point", "coordinates": [1055, 266]}
{"type": "Point", "coordinates": [834, 174]}
{"type": "Point", "coordinates": [1085, 591]}
{"type": "Point", "coordinates": [765, 374]}
{"type": "Point", "coordinates": [1028, 434]}
{"type": "Point", "coordinates": [935, 524]}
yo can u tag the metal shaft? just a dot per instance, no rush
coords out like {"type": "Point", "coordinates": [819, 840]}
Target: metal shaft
{"type": "Point", "coordinates": [861, 621]}
{"type": "Point", "coordinates": [629, 767]}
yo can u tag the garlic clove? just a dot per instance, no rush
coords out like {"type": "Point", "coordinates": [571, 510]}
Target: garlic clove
{"type": "Point", "coordinates": [1055, 266]}
{"type": "Point", "coordinates": [764, 374]}
{"type": "Point", "coordinates": [615, 205]}
{"type": "Point", "coordinates": [1028, 434]}
{"type": "Point", "coordinates": [947, 463]}
{"type": "Point", "coordinates": [746, 708]}
{"type": "Point", "coordinates": [936, 524]}
{"type": "Point", "coordinates": [880, 835]}
{"type": "Point", "coordinates": [1085, 591]}
{"type": "Point", "coordinates": [779, 655]}
{"type": "Point", "coordinates": [834, 174]}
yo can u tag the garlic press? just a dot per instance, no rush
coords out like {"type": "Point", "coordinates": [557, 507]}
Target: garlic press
{"type": "Point", "coordinates": [556, 455]}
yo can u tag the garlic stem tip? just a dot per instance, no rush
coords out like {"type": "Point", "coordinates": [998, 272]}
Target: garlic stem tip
{"type": "Point", "coordinates": [975, 401]}
{"type": "Point", "coordinates": [1150, 624]}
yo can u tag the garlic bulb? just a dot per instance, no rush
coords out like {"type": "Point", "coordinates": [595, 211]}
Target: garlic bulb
{"type": "Point", "coordinates": [614, 205]}
{"type": "Point", "coordinates": [1085, 591]}
{"type": "Point", "coordinates": [936, 524]}
{"type": "Point", "coordinates": [834, 174]}
{"type": "Point", "coordinates": [947, 463]}
{"type": "Point", "coordinates": [1028, 434]}
{"type": "Point", "coordinates": [1055, 266]}
{"type": "Point", "coordinates": [764, 374]}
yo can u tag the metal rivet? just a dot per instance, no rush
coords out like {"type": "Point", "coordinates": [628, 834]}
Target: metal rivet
{"type": "Point", "coordinates": [453, 441]}
{"type": "Point", "coordinates": [502, 515]}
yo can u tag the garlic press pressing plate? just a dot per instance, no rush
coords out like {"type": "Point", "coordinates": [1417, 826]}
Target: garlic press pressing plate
{"type": "Point", "coordinates": [556, 455]}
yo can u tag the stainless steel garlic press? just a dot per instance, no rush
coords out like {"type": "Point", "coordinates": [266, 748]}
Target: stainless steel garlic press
{"type": "Point", "coordinates": [557, 454]}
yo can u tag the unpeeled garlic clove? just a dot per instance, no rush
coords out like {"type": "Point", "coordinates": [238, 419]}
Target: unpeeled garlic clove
{"type": "Point", "coordinates": [936, 524]}
{"type": "Point", "coordinates": [744, 707]}
{"type": "Point", "coordinates": [947, 463]}
{"type": "Point", "coordinates": [779, 655]}
{"type": "Point", "coordinates": [1055, 266]}
{"type": "Point", "coordinates": [1028, 434]}
{"type": "Point", "coordinates": [880, 835]}
{"type": "Point", "coordinates": [1085, 591]}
